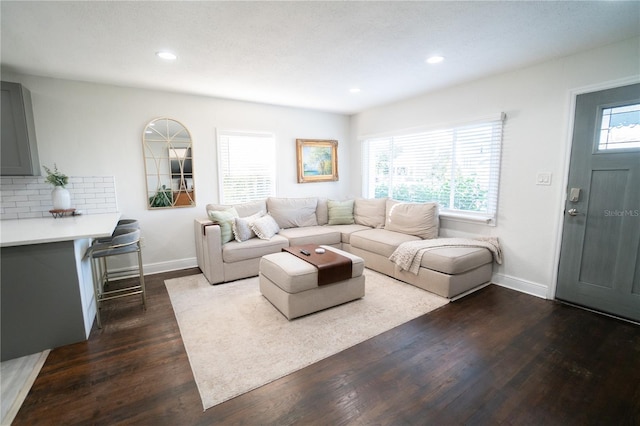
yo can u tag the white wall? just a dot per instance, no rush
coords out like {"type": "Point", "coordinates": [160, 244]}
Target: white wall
{"type": "Point", "coordinates": [538, 104]}
{"type": "Point", "coordinates": [93, 130]}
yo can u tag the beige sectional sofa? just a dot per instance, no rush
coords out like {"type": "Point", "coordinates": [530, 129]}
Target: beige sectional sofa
{"type": "Point", "coordinates": [232, 239]}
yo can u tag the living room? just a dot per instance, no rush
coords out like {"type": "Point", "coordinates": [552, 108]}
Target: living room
{"type": "Point", "coordinates": [87, 128]}
{"type": "Point", "coordinates": [90, 128]}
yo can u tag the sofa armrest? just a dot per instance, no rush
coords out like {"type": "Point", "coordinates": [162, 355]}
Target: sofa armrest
{"type": "Point", "coordinates": [198, 230]}
{"type": "Point", "coordinates": [209, 250]}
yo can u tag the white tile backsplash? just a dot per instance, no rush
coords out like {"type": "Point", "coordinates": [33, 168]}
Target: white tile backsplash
{"type": "Point", "coordinates": [23, 197]}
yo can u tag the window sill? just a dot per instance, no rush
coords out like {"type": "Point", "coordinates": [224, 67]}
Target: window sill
{"type": "Point", "coordinates": [456, 216]}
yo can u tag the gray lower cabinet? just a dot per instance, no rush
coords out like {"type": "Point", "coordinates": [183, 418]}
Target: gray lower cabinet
{"type": "Point", "coordinates": [46, 297]}
{"type": "Point", "coordinates": [19, 156]}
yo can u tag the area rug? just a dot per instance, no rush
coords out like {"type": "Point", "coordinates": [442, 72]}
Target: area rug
{"type": "Point", "coordinates": [237, 341]}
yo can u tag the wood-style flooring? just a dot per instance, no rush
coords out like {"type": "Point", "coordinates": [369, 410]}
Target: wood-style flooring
{"type": "Point", "coordinates": [494, 357]}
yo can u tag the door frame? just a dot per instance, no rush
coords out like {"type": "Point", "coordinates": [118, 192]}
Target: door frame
{"type": "Point", "coordinates": [573, 94]}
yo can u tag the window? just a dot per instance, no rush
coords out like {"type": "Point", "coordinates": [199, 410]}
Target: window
{"type": "Point", "coordinates": [457, 167]}
{"type": "Point", "coordinates": [620, 128]}
{"type": "Point", "coordinates": [246, 166]}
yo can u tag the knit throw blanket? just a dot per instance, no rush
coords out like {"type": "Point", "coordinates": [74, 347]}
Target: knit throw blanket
{"type": "Point", "coordinates": [408, 255]}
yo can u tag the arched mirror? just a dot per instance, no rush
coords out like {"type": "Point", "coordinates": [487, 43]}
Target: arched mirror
{"type": "Point", "coordinates": [168, 160]}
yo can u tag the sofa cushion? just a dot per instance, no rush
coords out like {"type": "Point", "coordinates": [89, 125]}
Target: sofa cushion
{"type": "Point", "coordinates": [455, 260]}
{"type": "Point", "coordinates": [252, 249]}
{"type": "Point", "coordinates": [419, 219]}
{"type": "Point", "coordinates": [243, 209]}
{"type": "Point", "coordinates": [217, 207]}
{"type": "Point", "coordinates": [293, 212]}
{"type": "Point", "coordinates": [340, 212]}
{"type": "Point", "coordinates": [322, 211]}
{"type": "Point", "coordinates": [251, 207]}
{"type": "Point", "coordinates": [311, 235]}
{"type": "Point", "coordinates": [370, 212]}
{"type": "Point", "coordinates": [225, 219]}
{"type": "Point", "coordinates": [347, 230]}
{"type": "Point", "coordinates": [265, 227]}
{"type": "Point", "coordinates": [242, 226]}
{"type": "Point", "coordinates": [379, 241]}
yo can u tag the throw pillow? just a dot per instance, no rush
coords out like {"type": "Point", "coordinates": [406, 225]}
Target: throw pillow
{"type": "Point", "coordinates": [265, 227]}
{"type": "Point", "coordinates": [370, 212]}
{"type": "Point", "coordinates": [225, 219]}
{"type": "Point", "coordinates": [419, 219]}
{"type": "Point", "coordinates": [242, 227]}
{"type": "Point", "coordinates": [340, 212]}
{"type": "Point", "coordinates": [293, 212]}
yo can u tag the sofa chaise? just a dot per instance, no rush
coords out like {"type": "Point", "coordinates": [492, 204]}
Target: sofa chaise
{"type": "Point", "coordinates": [231, 241]}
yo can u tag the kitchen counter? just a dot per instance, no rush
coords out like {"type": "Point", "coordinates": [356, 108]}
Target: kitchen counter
{"type": "Point", "coordinates": [47, 296]}
{"type": "Point", "coordinates": [21, 232]}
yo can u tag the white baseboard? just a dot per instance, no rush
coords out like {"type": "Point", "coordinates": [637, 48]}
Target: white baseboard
{"type": "Point", "coordinates": [173, 265]}
{"type": "Point", "coordinates": [523, 286]}
{"type": "Point", "coordinates": [155, 268]}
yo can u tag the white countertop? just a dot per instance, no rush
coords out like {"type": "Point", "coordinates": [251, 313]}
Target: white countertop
{"type": "Point", "coordinates": [22, 232]}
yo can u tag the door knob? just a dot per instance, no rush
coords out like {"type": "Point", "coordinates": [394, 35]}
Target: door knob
{"type": "Point", "coordinates": [573, 212]}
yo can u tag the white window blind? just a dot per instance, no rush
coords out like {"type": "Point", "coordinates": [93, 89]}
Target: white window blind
{"type": "Point", "coordinates": [457, 167]}
{"type": "Point", "coordinates": [246, 166]}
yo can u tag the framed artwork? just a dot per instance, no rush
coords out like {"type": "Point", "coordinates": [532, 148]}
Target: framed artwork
{"type": "Point", "coordinates": [317, 160]}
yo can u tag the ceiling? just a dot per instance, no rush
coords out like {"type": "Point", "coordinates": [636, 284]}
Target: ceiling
{"type": "Point", "coordinates": [302, 54]}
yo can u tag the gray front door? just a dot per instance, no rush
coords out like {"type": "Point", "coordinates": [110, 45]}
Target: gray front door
{"type": "Point", "coordinates": [600, 253]}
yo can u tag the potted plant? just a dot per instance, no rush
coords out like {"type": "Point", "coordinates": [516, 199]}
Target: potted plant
{"type": "Point", "coordinates": [60, 195]}
{"type": "Point", "coordinates": [162, 198]}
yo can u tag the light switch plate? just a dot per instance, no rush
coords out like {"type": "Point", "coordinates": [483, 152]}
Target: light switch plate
{"type": "Point", "coordinates": [543, 178]}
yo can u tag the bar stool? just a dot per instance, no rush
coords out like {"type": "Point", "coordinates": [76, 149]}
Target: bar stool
{"type": "Point", "coordinates": [128, 224]}
{"type": "Point", "coordinates": [122, 224]}
{"type": "Point", "coordinates": [124, 240]}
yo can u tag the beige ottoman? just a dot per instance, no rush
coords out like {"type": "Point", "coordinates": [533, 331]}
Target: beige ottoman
{"type": "Point", "coordinates": [291, 284]}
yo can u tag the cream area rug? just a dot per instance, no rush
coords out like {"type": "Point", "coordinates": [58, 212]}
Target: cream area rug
{"type": "Point", "coordinates": [237, 341]}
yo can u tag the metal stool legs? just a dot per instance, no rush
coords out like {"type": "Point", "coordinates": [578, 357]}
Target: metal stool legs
{"type": "Point", "coordinates": [123, 241]}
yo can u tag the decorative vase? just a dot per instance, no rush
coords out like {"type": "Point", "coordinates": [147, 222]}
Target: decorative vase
{"type": "Point", "coordinates": [61, 198]}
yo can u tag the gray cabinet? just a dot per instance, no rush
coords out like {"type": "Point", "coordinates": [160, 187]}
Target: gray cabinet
{"type": "Point", "coordinates": [41, 304]}
{"type": "Point", "coordinates": [19, 155]}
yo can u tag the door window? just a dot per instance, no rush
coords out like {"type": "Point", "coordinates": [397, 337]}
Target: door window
{"type": "Point", "coordinates": [620, 128]}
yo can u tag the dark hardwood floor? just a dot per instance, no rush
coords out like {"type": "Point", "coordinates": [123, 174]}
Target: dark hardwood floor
{"type": "Point", "coordinates": [494, 357]}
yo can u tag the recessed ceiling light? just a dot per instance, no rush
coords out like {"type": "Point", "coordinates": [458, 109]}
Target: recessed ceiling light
{"type": "Point", "coordinates": [435, 60]}
{"type": "Point", "coordinates": [166, 55]}
{"type": "Point", "coordinates": [354, 90]}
